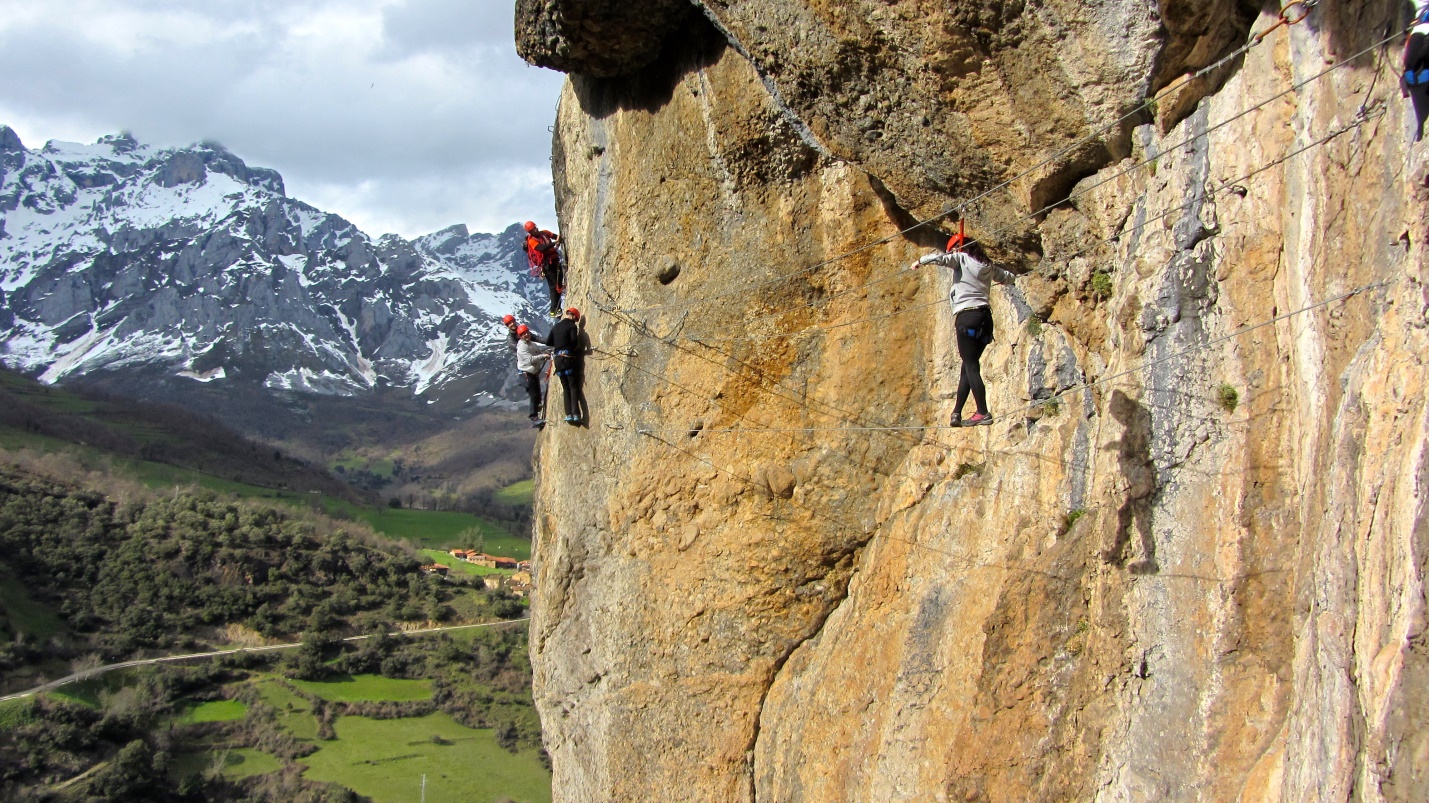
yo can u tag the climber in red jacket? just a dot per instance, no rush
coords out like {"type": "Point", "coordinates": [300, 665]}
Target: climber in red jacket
{"type": "Point", "coordinates": [544, 256]}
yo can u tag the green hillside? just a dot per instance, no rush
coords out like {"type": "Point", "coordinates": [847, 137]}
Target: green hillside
{"type": "Point", "coordinates": [157, 443]}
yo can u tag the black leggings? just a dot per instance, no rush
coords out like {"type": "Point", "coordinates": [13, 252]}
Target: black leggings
{"type": "Point", "coordinates": [974, 333]}
{"type": "Point", "coordinates": [555, 282]}
{"type": "Point", "coordinates": [1416, 57]}
{"type": "Point", "coordinates": [569, 370]}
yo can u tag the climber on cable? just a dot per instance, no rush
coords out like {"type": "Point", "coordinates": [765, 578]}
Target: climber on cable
{"type": "Point", "coordinates": [544, 256]}
{"type": "Point", "coordinates": [531, 362]}
{"type": "Point", "coordinates": [566, 341]}
{"type": "Point", "coordinates": [1414, 84]}
{"type": "Point", "coordinates": [972, 318]}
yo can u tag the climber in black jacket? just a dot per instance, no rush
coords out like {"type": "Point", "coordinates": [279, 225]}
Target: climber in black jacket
{"type": "Point", "coordinates": [565, 341]}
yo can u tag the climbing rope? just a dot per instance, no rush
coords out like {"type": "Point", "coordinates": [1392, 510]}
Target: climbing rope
{"type": "Point", "coordinates": [1229, 185]}
{"type": "Point", "coordinates": [1079, 193]}
{"type": "Point", "coordinates": [1073, 196]}
{"type": "Point", "coordinates": [1059, 394]}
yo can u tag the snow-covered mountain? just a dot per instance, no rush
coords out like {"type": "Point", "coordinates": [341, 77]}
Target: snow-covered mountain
{"type": "Point", "coordinates": [188, 263]}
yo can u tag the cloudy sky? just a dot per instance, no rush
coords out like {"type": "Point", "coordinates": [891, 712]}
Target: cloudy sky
{"type": "Point", "coordinates": [403, 116]}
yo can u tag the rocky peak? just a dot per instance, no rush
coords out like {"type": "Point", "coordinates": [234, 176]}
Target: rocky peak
{"type": "Point", "coordinates": [10, 141]}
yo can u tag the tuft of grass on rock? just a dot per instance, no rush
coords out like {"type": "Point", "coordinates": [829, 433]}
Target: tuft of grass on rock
{"type": "Point", "coordinates": [1052, 406]}
{"type": "Point", "coordinates": [964, 469]}
{"type": "Point", "coordinates": [1228, 397]}
{"type": "Point", "coordinates": [1034, 325]}
{"type": "Point", "coordinates": [1072, 517]}
{"type": "Point", "coordinates": [1101, 285]}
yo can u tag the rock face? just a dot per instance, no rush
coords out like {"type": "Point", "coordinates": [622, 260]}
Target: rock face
{"type": "Point", "coordinates": [118, 257]}
{"type": "Point", "coordinates": [1187, 561]}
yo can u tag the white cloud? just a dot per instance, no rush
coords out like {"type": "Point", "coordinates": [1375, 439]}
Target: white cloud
{"type": "Point", "coordinates": [405, 115]}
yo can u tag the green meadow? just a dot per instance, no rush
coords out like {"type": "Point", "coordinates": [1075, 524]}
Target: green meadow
{"type": "Point", "coordinates": [214, 711]}
{"type": "Point", "coordinates": [386, 759]}
{"type": "Point", "coordinates": [518, 493]}
{"type": "Point", "coordinates": [238, 762]}
{"type": "Point", "coordinates": [375, 688]}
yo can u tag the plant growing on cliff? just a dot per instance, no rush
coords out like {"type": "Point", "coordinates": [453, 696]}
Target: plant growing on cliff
{"type": "Point", "coordinates": [1227, 396]}
{"type": "Point", "coordinates": [1052, 406]}
{"type": "Point", "coordinates": [965, 469]}
{"type": "Point", "coordinates": [1101, 285]}
{"type": "Point", "coordinates": [1034, 325]}
{"type": "Point", "coordinates": [1071, 519]}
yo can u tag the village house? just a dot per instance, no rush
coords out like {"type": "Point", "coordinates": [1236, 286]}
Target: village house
{"type": "Point", "coordinates": [436, 568]}
{"type": "Point", "coordinates": [519, 583]}
{"type": "Point", "coordinates": [492, 561]}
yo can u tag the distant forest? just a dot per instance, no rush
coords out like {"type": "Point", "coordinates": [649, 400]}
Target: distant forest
{"type": "Point", "coordinates": [133, 572]}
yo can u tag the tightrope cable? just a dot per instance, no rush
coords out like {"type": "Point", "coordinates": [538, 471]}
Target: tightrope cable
{"type": "Point", "coordinates": [1229, 185]}
{"type": "Point", "coordinates": [1076, 194]}
{"type": "Point", "coordinates": [1066, 391]}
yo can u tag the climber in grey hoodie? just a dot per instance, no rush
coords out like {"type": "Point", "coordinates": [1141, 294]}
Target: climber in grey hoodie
{"type": "Point", "coordinates": [972, 318]}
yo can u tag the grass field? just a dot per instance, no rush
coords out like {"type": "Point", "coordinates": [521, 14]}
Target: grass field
{"type": "Point", "coordinates": [379, 468]}
{"type": "Point", "coordinates": [213, 711]}
{"type": "Point", "coordinates": [239, 762]}
{"type": "Point", "coordinates": [386, 759]}
{"type": "Point", "coordinates": [354, 688]}
{"type": "Point", "coordinates": [429, 528]}
{"type": "Point", "coordinates": [519, 493]}
{"type": "Point", "coordinates": [14, 713]}
{"type": "Point", "coordinates": [57, 400]}
{"type": "Point", "coordinates": [294, 713]}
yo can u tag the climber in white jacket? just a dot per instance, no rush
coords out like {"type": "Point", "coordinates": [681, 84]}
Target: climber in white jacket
{"type": "Point", "coordinates": [972, 318]}
{"type": "Point", "coordinates": [531, 360]}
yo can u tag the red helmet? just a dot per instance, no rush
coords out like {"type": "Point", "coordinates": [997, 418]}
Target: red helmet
{"type": "Point", "coordinates": [574, 313]}
{"type": "Point", "coordinates": [530, 225]}
{"type": "Point", "coordinates": [522, 330]}
{"type": "Point", "coordinates": [957, 241]}
{"type": "Point", "coordinates": [508, 319]}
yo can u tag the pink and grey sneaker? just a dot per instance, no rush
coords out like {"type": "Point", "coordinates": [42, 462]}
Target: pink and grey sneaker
{"type": "Point", "coordinates": [978, 420]}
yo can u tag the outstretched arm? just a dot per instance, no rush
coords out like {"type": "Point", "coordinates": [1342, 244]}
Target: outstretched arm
{"type": "Point", "coordinates": [936, 257]}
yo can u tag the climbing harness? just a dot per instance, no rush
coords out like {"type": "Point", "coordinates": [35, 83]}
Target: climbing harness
{"type": "Point", "coordinates": [565, 354]}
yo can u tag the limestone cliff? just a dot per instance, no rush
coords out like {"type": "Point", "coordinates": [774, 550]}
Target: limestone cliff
{"type": "Point", "coordinates": [1187, 561]}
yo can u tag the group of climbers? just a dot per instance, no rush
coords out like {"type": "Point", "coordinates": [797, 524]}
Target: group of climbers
{"type": "Point", "coordinates": [972, 277]}
{"type": "Point", "coordinates": [562, 351]}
